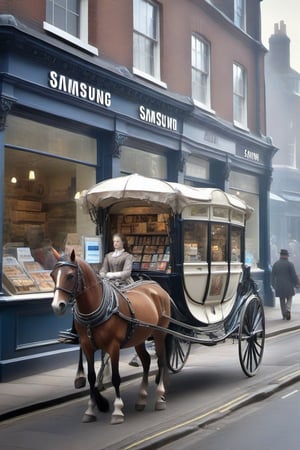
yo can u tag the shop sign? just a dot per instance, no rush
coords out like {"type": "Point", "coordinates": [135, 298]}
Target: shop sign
{"type": "Point", "coordinates": [79, 89]}
{"type": "Point", "coordinates": [253, 156]}
{"type": "Point", "coordinates": [157, 118]}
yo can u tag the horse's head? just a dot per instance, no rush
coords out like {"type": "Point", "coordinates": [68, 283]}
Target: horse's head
{"type": "Point", "coordinates": [67, 278]}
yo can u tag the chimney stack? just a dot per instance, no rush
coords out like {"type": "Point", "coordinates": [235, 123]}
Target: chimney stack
{"type": "Point", "coordinates": [279, 48]}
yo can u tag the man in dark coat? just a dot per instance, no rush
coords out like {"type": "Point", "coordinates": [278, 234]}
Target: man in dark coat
{"type": "Point", "coordinates": [284, 280]}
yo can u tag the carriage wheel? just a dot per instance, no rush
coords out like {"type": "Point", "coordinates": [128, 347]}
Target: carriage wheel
{"type": "Point", "coordinates": [251, 336]}
{"type": "Point", "coordinates": [178, 351]}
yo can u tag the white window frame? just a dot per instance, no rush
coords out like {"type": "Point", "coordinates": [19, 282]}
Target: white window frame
{"type": "Point", "coordinates": [81, 40]}
{"type": "Point", "coordinates": [239, 96]}
{"type": "Point", "coordinates": [146, 66]}
{"type": "Point", "coordinates": [200, 70]}
{"type": "Point", "coordinates": [240, 14]}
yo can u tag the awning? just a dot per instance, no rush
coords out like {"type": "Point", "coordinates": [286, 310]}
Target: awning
{"type": "Point", "coordinates": [176, 196]}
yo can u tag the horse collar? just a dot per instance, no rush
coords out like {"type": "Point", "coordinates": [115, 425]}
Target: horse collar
{"type": "Point", "coordinates": [108, 306]}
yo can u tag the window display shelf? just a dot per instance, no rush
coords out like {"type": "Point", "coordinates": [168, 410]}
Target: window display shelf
{"type": "Point", "coordinates": [25, 277]}
{"type": "Point", "coordinates": [15, 279]}
{"type": "Point", "coordinates": [147, 238]}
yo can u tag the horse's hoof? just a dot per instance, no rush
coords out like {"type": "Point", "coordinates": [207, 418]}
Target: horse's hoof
{"type": "Point", "coordinates": [139, 407]}
{"type": "Point", "coordinates": [80, 382]}
{"type": "Point", "coordinates": [87, 418]}
{"type": "Point", "coordinates": [160, 406]}
{"type": "Point", "coordinates": [117, 419]}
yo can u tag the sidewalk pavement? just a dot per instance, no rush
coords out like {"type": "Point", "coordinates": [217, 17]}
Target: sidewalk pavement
{"type": "Point", "coordinates": [50, 388]}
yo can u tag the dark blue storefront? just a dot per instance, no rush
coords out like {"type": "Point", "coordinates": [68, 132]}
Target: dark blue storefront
{"type": "Point", "coordinates": [77, 120]}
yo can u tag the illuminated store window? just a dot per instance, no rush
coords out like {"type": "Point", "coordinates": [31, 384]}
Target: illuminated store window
{"type": "Point", "coordinates": [44, 169]}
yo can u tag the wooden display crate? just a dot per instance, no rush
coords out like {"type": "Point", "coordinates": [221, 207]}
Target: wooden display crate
{"type": "Point", "coordinates": [27, 216]}
{"type": "Point", "coordinates": [28, 205]}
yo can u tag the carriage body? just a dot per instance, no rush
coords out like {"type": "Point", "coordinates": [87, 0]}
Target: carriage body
{"type": "Point", "coordinates": [192, 242]}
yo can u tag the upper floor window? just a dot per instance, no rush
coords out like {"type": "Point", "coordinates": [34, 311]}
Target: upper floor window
{"type": "Point", "coordinates": [201, 71]}
{"type": "Point", "coordinates": [146, 55]}
{"type": "Point", "coordinates": [68, 19]}
{"type": "Point", "coordinates": [64, 14]}
{"type": "Point", "coordinates": [239, 96]}
{"type": "Point", "coordinates": [240, 13]}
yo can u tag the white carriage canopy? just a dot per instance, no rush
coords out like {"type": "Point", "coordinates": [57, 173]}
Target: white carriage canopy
{"type": "Point", "coordinates": [136, 188]}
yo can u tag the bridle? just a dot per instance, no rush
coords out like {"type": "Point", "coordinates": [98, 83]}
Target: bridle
{"type": "Point", "coordinates": [79, 280]}
{"type": "Point", "coordinates": [108, 304]}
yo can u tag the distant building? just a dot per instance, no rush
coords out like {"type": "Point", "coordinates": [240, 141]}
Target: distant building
{"type": "Point", "coordinates": [283, 125]}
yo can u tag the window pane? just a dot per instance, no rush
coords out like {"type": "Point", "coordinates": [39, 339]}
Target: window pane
{"type": "Point", "coordinates": [219, 237]}
{"type": "Point", "coordinates": [195, 241]}
{"type": "Point", "coordinates": [252, 224]}
{"type": "Point", "coordinates": [50, 140]}
{"type": "Point", "coordinates": [239, 94]}
{"type": "Point", "coordinates": [236, 244]}
{"type": "Point", "coordinates": [74, 5]}
{"type": "Point", "coordinates": [144, 54]}
{"type": "Point", "coordinates": [239, 13]}
{"type": "Point", "coordinates": [145, 20]}
{"type": "Point", "coordinates": [60, 17]}
{"type": "Point", "coordinates": [145, 37]}
{"type": "Point", "coordinates": [200, 70]}
{"type": "Point", "coordinates": [72, 24]}
{"type": "Point", "coordinates": [196, 168]}
{"type": "Point", "coordinates": [144, 163]}
{"type": "Point", "coordinates": [64, 14]}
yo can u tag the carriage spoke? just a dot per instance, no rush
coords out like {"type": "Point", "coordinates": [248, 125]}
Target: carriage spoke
{"type": "Point", "coordinates": [178, 351]}
{"type": "Point", "coordinates": [251, 336]}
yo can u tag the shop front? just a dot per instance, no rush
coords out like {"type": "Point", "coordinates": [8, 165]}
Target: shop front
{"type": "Point", "coordinates": [285, 217]}
{"type": "Point", "coordinates": [67, 124]}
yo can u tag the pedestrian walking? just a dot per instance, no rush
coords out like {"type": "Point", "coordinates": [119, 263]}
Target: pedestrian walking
{"type": "Point", "coordinates": [284, 281]}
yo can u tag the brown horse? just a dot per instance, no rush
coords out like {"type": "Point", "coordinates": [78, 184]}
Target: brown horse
{"type": "Point", "coordinates": [109, 319]}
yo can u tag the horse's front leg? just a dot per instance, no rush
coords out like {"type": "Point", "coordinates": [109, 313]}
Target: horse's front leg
{"type": "Point", "coordinates": [104, 372]}
{"type": "Point", "coordinates": [80, 380]}
{"type": "Point", "coordinates": [143, 390]}
{"type": "Point", "coordinates": [117, 415]}
{"type": "Point", "coordinates": [96, 399]}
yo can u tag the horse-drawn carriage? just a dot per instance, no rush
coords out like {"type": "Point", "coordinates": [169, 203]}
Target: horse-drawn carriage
{"type": "Point", "coordinates": [191, 242]}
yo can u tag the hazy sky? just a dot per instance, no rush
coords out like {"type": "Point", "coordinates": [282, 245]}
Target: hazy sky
{"type": "Point", "coordinates": [273, 11]}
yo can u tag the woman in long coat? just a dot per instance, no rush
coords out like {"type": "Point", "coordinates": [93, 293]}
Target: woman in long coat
{"type": "Point", "coordinates": [284, 281]}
